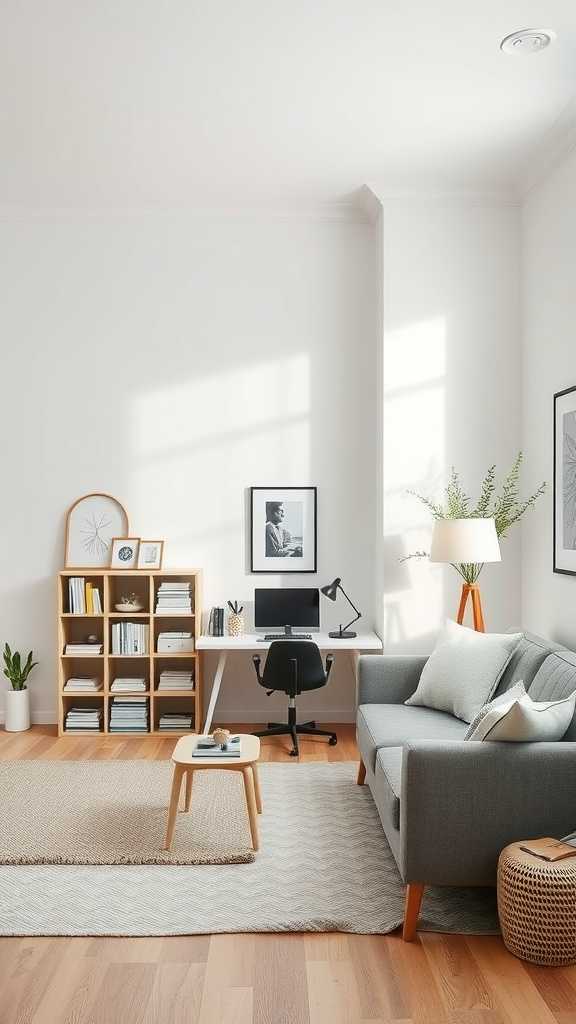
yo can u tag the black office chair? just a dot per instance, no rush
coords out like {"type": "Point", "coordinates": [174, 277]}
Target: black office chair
{"type": "Point", "coordinates": [293, 666]}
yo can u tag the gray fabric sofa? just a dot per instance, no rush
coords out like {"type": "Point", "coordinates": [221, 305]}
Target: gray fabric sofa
{"type": "Point", "coordinates": [447, 806]}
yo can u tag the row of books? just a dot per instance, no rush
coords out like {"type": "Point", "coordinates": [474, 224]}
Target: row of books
{"type": "Point", "coordinates": [83, 720]}
{"type": "Point", "coordinates": [130, 638]}
{"type": "Point", "coordinates": [173, 679]}
{"type": "Point", "coordinates": [129, 714]}
{"type": "Point", "coordinates": [83, 597]}
{"type": "Point", "coordinates": [174, 598]}
{"type": "Point", "coordinates": [169, 680]}
{"type": "Point", "coordinates": [216, 622]}
{"type": "Point", "coordinates": [81, 647]}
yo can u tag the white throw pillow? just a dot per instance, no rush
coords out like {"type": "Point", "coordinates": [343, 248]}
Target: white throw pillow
{"type": "Point", "coordinates": [463, 671]}
{"type": "Point", "coordinates": [523, 720]}
{"type": "Point", "coordinates": [505, 700]}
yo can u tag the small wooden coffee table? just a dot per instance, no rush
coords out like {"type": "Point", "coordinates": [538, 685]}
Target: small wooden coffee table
{"type": "Point", "coordinates": [185, 764]}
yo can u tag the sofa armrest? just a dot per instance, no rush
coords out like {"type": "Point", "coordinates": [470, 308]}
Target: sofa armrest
{"type": "Point", "coordinates": [388, 678]}
{"type": "Point", "coordinates": [462, 802]}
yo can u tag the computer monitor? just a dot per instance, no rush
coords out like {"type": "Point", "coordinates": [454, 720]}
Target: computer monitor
{"type": "Point", "coordinates": [286, 607]}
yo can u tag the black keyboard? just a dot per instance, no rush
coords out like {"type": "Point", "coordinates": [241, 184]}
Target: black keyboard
{"type": "Point", "coordinates": [285, 636]}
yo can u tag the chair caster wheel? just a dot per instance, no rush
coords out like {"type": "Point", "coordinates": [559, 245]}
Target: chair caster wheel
{"type": "Point", "coordinates": [333, 741]}
{"type": "Point", "coordinates": [293, 753]}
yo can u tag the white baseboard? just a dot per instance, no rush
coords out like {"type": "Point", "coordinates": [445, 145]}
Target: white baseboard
{"type": "Point", "coordinates": [38, 718]}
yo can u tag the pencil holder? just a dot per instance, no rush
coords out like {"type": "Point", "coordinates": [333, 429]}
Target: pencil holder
{"type": "Point", "coordinates": [235, 624]}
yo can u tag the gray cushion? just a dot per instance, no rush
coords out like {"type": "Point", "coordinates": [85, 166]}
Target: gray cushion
{"type": "Point", "coordinates": [556, 679]}
{"type": "Point", "coordinates": [525, 662]}
{"type": "Point", "coordinates": [391, 725]}
{"type": "Point", "coordinates": [389, 776]}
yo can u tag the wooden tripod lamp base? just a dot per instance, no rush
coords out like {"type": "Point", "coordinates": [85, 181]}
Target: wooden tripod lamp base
{"type": "Point", "coordinates": [472, 591]}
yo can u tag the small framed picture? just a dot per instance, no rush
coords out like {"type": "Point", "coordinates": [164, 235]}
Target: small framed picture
{"type": "Point", "coordinates": [124, 552]}
{"type": "Point", "coordinates": [283, 529]}
{"type": "Point", "coordinates": [150, 554]}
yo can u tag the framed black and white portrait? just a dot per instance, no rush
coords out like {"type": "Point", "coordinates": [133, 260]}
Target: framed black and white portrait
{"type": "Point", "coordinates": [283, 529]}
{"type": "Point", "coordinates": [565, 482]}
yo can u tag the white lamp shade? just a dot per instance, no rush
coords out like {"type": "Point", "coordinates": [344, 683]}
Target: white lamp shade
{"type": "Point", "coordinates": [464, 540]}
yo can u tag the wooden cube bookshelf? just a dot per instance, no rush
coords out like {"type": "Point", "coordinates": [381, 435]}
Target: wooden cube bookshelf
{"type": "Point", "coordinates": [112, 585]}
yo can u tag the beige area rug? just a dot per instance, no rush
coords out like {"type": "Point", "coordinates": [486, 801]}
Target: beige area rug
{"type": "Point", "coordinates": [95, 812]}
{"type": "Point", "coordinates": [324, 863]}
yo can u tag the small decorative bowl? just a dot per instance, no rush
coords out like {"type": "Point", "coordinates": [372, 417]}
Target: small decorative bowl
{"type": "Point", "coordinates": [128, 607]}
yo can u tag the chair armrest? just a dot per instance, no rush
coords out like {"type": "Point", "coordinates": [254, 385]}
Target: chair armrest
{"type": "Point", "coordinates": [388, 678]}
{"type": "Point", "coordinates": [462, 802]}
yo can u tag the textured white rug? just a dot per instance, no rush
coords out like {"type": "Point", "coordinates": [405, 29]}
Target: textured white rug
{"type": "Point", "coordinates": [324, 866]}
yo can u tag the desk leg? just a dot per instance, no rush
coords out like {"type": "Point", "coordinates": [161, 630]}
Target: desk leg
{"type": "Point", "coordinates": [215, 691]}
{"type": "Point", "coordinates": [354, 658]}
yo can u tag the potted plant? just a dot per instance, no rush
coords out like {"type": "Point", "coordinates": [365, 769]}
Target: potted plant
{"type": "Point", "coordinates": [505, 506]}
{"type": "Point", "coordinates": [17, 698]}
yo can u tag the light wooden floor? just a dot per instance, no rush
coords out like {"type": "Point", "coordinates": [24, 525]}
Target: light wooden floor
{"type": "Point", "coordinates": [264, 979]}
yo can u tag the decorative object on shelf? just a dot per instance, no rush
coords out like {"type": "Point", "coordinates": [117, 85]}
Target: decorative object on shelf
{"type": "Point", "coordinates": [283, 536]}
{"type": "Point", "coordinates": [331, 592]}
{"type": "Point", "coordinates": [564, 545]}
{"type": "Point", "coordinates": [468, 543]}
{"type": "Point", "coordinates": [221, 737]}
{"type": "Point", "coordinates": [91, 523]}
{"type": "Point", "coordinates": [129, 603]}
{"type": "Point", "coordinates": [17, 699]}
{"type": "Point", "coordinates": [150, 554]}
{"type": "Point", "coordinates": [235, 619]}
{"type": "Point", "coordinates": [124, 552]}
{"type": "Point", "coordinates": [504, 509]}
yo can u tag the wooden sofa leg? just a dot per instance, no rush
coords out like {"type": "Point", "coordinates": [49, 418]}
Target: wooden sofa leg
{"type": "Point", "coordinates": [361, 773]}
{"type": "Point", "coordinates": [414, 893]}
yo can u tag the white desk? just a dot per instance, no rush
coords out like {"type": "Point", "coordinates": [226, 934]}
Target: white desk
{"type": "Point", "coordinates": [363, 643]}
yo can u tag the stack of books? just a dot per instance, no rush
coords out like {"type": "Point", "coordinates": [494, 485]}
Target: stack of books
{"type": "Point", "coordinates": [178, 642]}
{"type": "Point", "coordinates": [206, 747]}
{"type": "Point", "coordinates": [176, 722]}
{"type": "Point", "coordinates": [130, 638]}
{"type": "Point", "coordinates": [79, 647]}
{"type": "Point", "coordinates": [127, 685]}
{"type": "Point", "coordinates": [174, 598]}
{"type": "Point", "coordinates": [82, 684]}
{"type": "Point", "coordinates": [129, 714]}
{"type": "Point", "coordinates": [83, 720]}
{"type": "Point", "coordinates": [83, 597]}
{"type": "Point", "coordinates": [172, 679]}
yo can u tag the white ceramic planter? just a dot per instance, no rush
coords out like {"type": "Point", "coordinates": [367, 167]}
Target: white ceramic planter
{"type": "Point", "coordinates": [17, 704]}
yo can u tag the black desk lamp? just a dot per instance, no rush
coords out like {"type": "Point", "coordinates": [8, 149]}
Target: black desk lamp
{"type": "Point", "coordinates": [331, 591]}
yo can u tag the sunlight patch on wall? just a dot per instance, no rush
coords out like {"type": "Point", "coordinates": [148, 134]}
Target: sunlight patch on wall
{"type": "Point", "coordinates": [414, 421]}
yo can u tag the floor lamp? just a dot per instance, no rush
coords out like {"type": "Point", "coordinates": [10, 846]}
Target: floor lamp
{"type": "Point", "coordinates": [466, 544]}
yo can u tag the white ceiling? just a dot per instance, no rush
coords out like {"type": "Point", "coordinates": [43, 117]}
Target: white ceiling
{"type": "Point", "coordinates": [230, 101]}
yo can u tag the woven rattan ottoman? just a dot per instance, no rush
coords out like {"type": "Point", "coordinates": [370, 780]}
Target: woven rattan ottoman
{"type": "Point", "coordinates": [537, 906]}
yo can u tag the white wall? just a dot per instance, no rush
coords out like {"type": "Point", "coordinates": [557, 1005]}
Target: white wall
{"type": "Point", "coordinates": [174, 361]}
{"type": "Point", "coordinates": [549, 365]}
{"type": "Point", "coordinates": [450, 396]}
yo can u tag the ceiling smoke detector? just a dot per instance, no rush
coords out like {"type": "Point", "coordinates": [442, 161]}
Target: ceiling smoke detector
{"type": "Point", "coordinates": [528, 41]}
